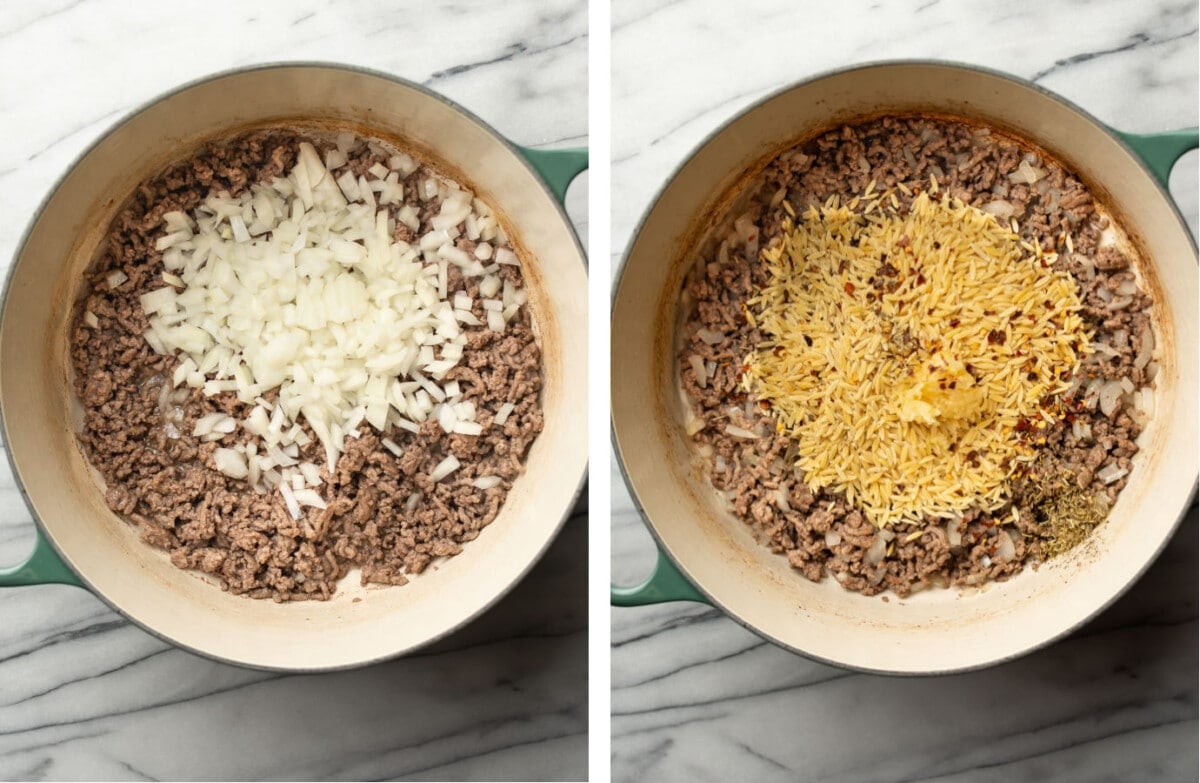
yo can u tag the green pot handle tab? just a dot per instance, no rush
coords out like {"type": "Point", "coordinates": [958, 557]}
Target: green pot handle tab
{"type": "Point", "coordinates": [43, 567]}
{"type": "Point", "coordinates": [665, 584]}
{"type": "Point", "coordinates": [1159, 151]}
{"type": "Point", "coordinates": [557, 167]}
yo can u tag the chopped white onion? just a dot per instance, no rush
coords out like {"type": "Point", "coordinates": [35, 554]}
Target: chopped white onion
{"type": "Point", "coordinates": [1005, 549]}
{"type": "Point", "coordinates": [954, 532]}
{"type": "Point", "coordinates": [231, 462]}
{"type": "Point", "coordinates": [875, 552]}
{"type": "Point", "coordinates": [697, 364]}
{"type": "Point", "coordinates": [444, 468]}
{"type": "Point", "coordinates": [290, 501]}
{"type": "Point", "coordinates": [740, 432]}
{"type": "Point", "coordinates": [1110, 397]}
{"type": "Point", "coordinates": [503, 412]}
{"type": "Point", "coordinates": [999, 208]}
{"type": "Point", "coordinates": [1145, 347]}
{"type": "Point", "coordinates": [308, 497]}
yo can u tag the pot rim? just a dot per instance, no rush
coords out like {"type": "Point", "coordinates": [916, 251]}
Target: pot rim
{"type": "Point", "coordinates": [280, 65]}
{"type": "Point", "coordinates": [620, 274]}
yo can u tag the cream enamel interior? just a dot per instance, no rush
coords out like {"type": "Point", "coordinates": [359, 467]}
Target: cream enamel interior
{"type": "Point", "coordinates": [359, 624]}
{"type": "Point", "coordinates": [936, 630]}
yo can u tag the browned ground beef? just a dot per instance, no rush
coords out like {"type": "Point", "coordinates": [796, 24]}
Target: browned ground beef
{"type": "Point", "coordinates": [169, 487]}
{"type": "Point", "coordinates": [821, 533]}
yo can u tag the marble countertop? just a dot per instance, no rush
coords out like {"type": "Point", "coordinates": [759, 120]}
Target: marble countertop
{"type": "Point", "coordinates": [84, 694]}
{"type": "Point", "coordinates": [698, 697]}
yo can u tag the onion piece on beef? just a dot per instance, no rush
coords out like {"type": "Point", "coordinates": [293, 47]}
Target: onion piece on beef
{"type": "Point", "coordinates": [876, 551]}
{"type": "Point", "coordinates": [1005, 549]}
{"type": "Point", "coordinates": [1145, 342]}
{"type": "Point", "coordinates": [999, 208]}
{"type": "Point", "coordinates": [1110, 398]}
{"type": "Point", "coordinates": [697, 364]}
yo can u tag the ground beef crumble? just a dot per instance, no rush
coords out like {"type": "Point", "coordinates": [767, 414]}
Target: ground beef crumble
{"type": "Point", "coordinates": [385, 516]}
{"type": "Point", "coordinates": [820, 533]}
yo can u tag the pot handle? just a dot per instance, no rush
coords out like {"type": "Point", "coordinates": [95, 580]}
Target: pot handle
{"type": "Point", "coordinates": [43, 567]}
{"type": "Point", "coordinates": [665, 584]}
{"type": "Point", "coordinates": [1159, 151]}
{"type": "Point", "coordinates": [557, 167]}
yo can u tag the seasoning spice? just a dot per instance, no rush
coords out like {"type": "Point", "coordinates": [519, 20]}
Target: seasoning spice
{"type": "Point", "coordinates": [1066, 514]}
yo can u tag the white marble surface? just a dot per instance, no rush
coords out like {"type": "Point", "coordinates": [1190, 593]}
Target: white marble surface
{"type": "Point", "coordinates": [83, 694]}
{"type": "Point", "coordinates": [697, 697]}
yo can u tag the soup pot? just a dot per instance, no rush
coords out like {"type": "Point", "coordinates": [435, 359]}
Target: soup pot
{"type": "Point", "coordinates": [707, 555]}
{"type": "Point", "coordinates": [80, 541]}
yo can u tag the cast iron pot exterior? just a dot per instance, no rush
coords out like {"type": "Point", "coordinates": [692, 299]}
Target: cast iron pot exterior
{"type": "Point", "coordinates": [706, 554]}
{"type": "Point", "coordinates": [359, 624]}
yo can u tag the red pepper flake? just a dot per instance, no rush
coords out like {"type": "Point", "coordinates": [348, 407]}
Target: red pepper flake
{"type": "Point", "coordinates": [850, 288]}
{"type": "Point", "coordinates": [997, 337]}
{"type": "Point", "coordinates": [920, 279]}
{"type": "Point", "coordinates": [954, 322]}
{"type": "Point", "coordinates": [764, 404]}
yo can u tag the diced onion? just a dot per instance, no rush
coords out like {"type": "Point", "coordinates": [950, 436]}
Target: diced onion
{"type": "Point", "coordinates": [875, 552]}
{"type": "Point", "coordinates": [697, 364]}
{"type": "Point", "coordinates": [444, 468]}
{"type": "Point", "coordinates": [1005, 549]}
{"type": "Point", "coordinates": [231, 462]}
{"type": "Point", "coordinates": [289, 499]}
{"type": "Point", "coordinates": [999, 208]}
{"type": "Point", "coordinates": [1110, 397]}
{"type": "Point", "coordinates": [1145, 347]}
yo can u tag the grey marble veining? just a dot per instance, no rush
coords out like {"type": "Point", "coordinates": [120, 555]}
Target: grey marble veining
{"type": "Point", "coordinates": [698, 697]}
{"type": "Point", "coordinates": [83, 694]}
